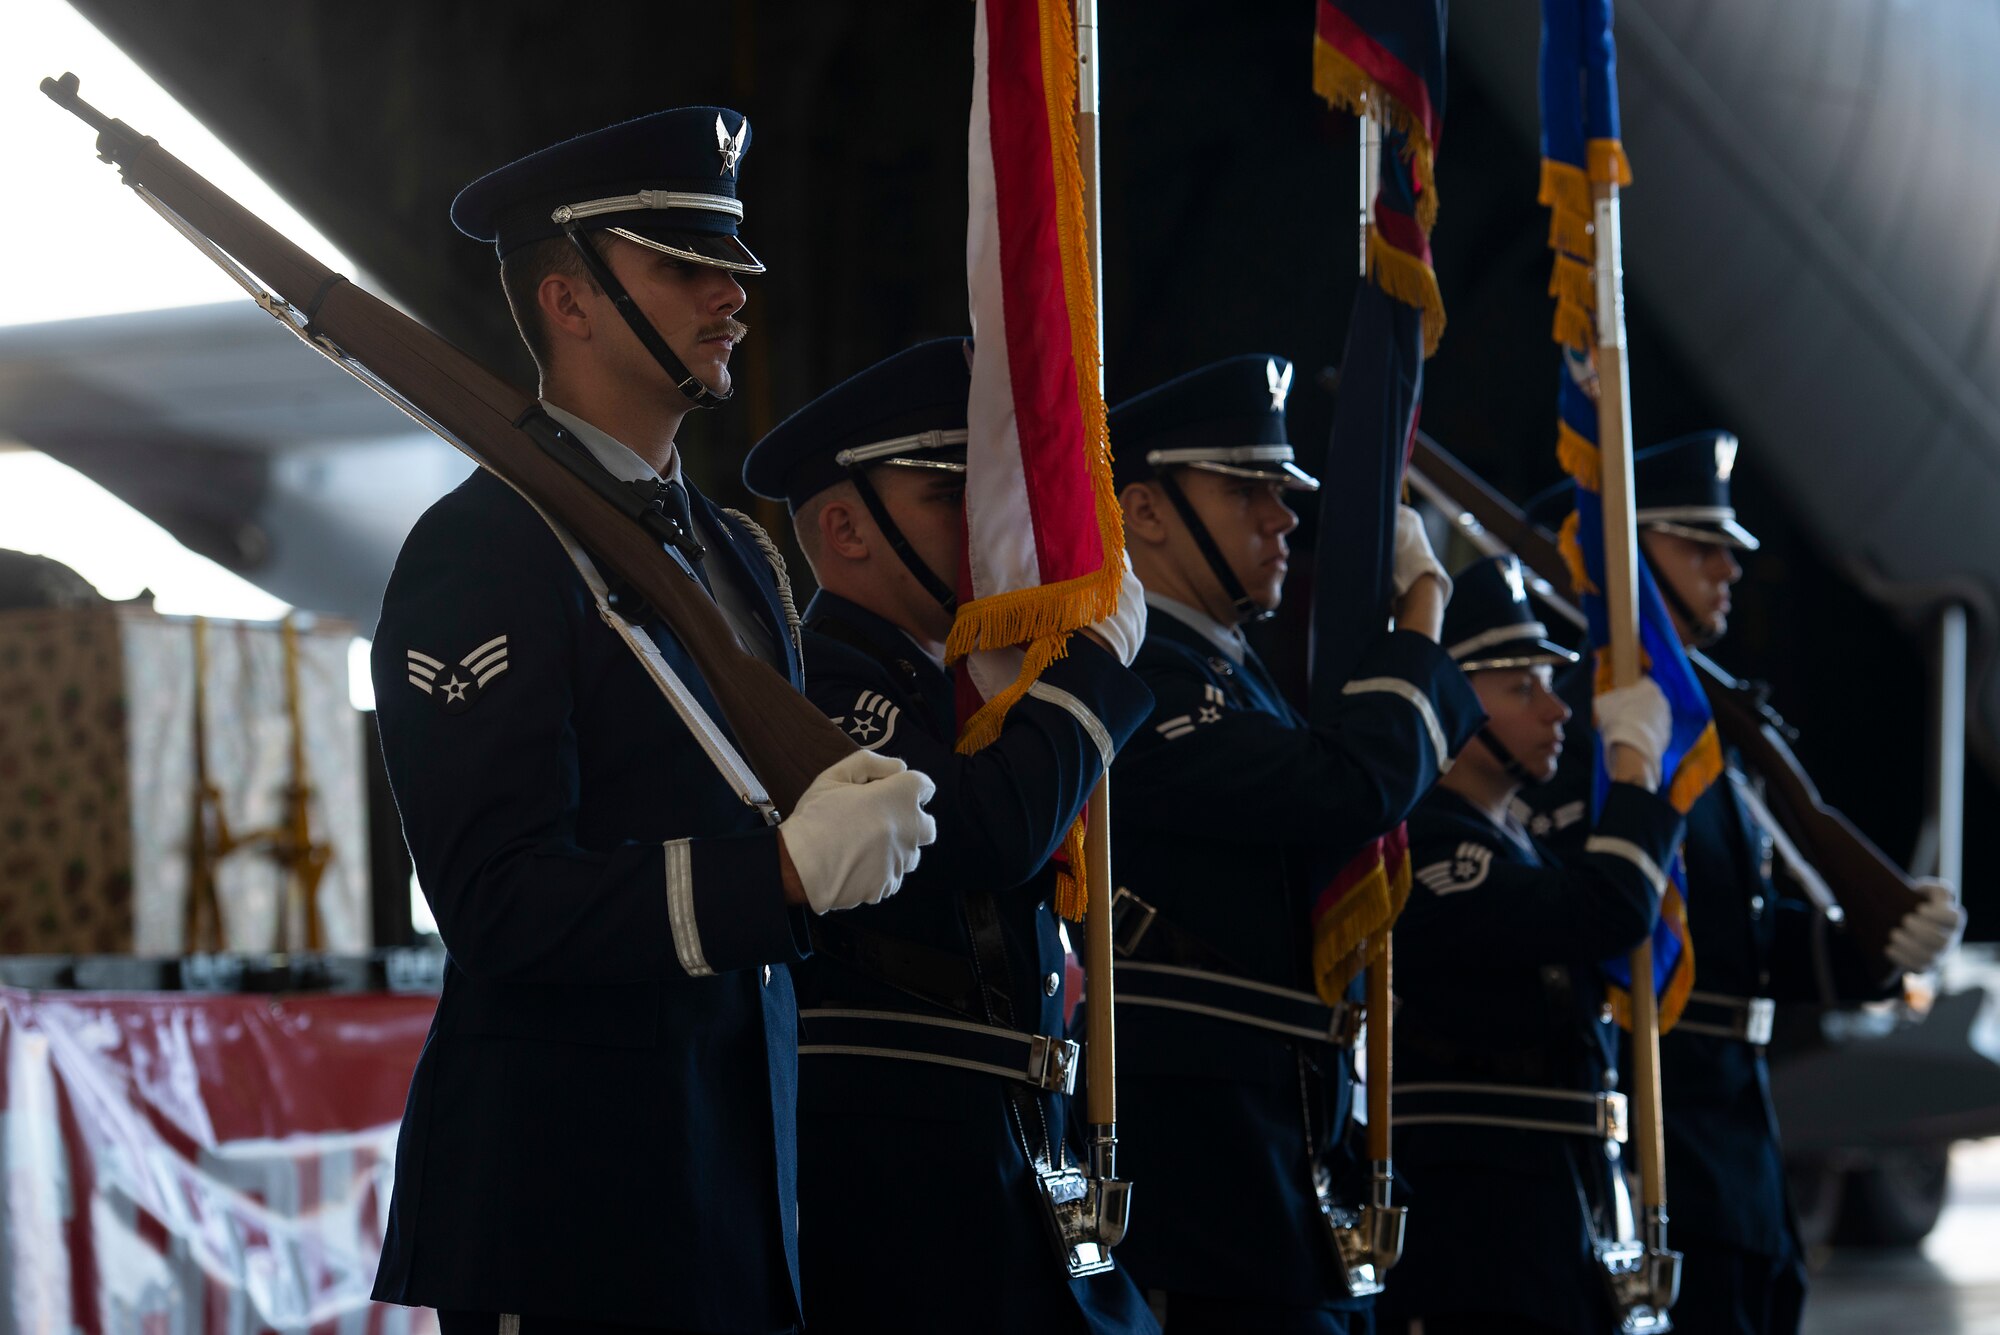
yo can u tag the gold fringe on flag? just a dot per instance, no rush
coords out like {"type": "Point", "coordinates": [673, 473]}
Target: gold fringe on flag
{"type": "Point", "coordinates": [1571, 280]}
{"type": "Point", "coordinates": [1352, 934]}
{"type": "Point", "coordinates": [1578, 456]}
{"type": "Point", "coordinates": [1674, 1000]}
{"type": "Point", "coordinates": [1573, 326]}
{"type": "Point", "coordinates": [1565, 189]}
{"type": "Point", "coordinates": [1700, 767]}
{"type": "Point", "coordinates": [1572, 554]}
{"type": "Point", "coordinates": [1573, 234]}
{"type": "Point", "coordinates": [1410, 281]}
{"type": "Point", "coordinates": [1606, 163]}
{"type": "Point", "coordinates": [1345, 86]}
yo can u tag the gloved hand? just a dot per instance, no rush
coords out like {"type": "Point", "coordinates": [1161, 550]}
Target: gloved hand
{"type": "Point", "coordinates": [855, 833]}
{"type": "Point", "coordinates": [1929, 929]}
{"type": "Point", "coordinates": [1124, 629]}
{"type": "Point", "coordinates": [1414, 558]}
{"type": "Point", "coordinates": [1637, 716]}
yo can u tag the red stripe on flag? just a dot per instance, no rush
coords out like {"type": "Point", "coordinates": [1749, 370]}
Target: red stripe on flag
{"type": "Point", "coordinates": [1352, 40]}
{"type": "Point", "coordinates": [1041, 364]}
{"type": "Point", "coordinates": [1401, 231]}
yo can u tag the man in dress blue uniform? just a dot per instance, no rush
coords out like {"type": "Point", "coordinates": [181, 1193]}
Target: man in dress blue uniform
{"type": "Point", "coordinates": [1234, 1080]}
{"type": "Point", "coordinates": [934, 1072]}
{"type": "Point", "coordinates": [1507, 1118]}
{"type": "Point", "coordinates": [1757, 940]}
{"type": "Point", "coordinates": [600, 1130]}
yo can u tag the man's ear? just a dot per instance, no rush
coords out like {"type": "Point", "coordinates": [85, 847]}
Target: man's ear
{"type": "Point", "coordinates": [1145, 520]}
{"type": "Point", "coordinates": [841, 533]}
{"type": "Point", "coordinates": [562, 313]}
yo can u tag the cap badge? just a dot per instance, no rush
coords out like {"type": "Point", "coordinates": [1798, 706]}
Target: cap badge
{"type": "Point", "coordinates": [1725, 456]}
{"type": "Point", "coordinates": [1279, 383]}
{"type": "Point", "coordinates": [731, 147]}
{"type": "Point", "coordinates": [1517, 588]}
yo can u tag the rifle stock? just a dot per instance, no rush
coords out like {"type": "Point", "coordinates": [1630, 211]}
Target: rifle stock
{"type": "Point", "coordinates": [783, 737]}
{"type": "Point", "coordinates": [1872, 891]}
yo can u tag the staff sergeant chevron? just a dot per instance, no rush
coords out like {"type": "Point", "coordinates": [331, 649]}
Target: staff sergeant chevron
{"type": "Point", "coordinates": [464, 683]}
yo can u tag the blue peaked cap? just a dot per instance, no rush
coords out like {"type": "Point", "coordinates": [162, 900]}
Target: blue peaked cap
{"type": "Point", "coordinates": [667, 181]}
{"type": "Point", "coordinates": [909, 410]}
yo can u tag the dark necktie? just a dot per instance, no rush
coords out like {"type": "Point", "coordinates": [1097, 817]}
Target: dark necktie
{"type": "Point", "coordinates": [672, 498]}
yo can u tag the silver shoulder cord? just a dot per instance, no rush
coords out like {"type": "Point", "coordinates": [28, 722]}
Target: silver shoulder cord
{"type": "Point", "coordinates": [722, 753]}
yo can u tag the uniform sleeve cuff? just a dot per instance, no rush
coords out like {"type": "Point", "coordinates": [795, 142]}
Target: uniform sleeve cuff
{"type": "Point", "coordinates": [725, 905]}
{"type": "Point", "coordinates": [1108, 699]}
{"type": "Point", "coordinates": [1643, 820]}
{"type": "Point", "coordinates": [1413, 667]}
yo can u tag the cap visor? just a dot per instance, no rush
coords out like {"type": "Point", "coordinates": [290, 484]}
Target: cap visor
{"type": "Point", "coordinates": [1287, 475]}
{"type": "Point", "coordinates": [1721, 533]}
{"type": "Point", "coordinates": [717, 250]}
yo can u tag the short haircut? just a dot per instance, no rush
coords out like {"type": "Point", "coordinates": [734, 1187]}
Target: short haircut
{"type": "Point", "coordinates": [521, 275]}
{"type": "Point", "coordinates": [805, 519]}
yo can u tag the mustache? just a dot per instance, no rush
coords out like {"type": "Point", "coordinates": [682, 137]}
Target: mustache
{"type": "Point", "coordinates": [728, 325]}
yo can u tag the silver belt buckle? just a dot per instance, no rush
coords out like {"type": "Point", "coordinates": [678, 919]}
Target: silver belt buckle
{"type": "Point", "coordinates": [1344, 1029]}
{"type": "Point", "coordinates": [1612, 1116]}
{"type": "Point", "coordinates": [1124, 904]}
{"type": "Point", "coordinates": [1759, 1014]}
{"type": "Point", "coordinates": [1052, 1064]}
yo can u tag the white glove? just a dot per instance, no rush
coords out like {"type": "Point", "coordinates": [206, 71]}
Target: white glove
{"type": "Point", "coordinates": [1125, 628]}
{"type": "Point", "coordinates": [855, 833]}
{"type": "Point", "coordinates": [1637, 716]}
{"type": "Point", "coordinates": [1414, 558]}
{"type": "Point", "coordinates": [1928, 930]}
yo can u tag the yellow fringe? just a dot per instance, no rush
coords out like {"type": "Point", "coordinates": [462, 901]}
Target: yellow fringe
{"type": "Point", "coordinates": [1572, 554]}
{"type": "Point", "coordinates": [1354, 932]}
{"type": "Point", "coordinates": [1606, 162]}
{"type": "Point", "coordinates": [1572, 281]}
{"type": "Point", "coordinates": [1579, 457]}
{"type": "Point", "coordinates": [1345, 86]}
{"type": "Point", "coordinates": [1674, 1001]}
{"type": "Point", "coordinates": [1573, 234]}
{"type": "Point", "coordinates": [1565, 189]}
{"type": "Point", "coordinates": [1700, 767]}
{"type": "Point", "coordinates": [1573, 327]}
{"type": "Point", "coordinates": [1410, 281]}
{"type": "Point", "coordinates": [1072, 877]}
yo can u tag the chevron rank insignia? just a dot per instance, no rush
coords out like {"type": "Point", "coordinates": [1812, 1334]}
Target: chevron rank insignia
{"type": "Point", "coordinates": [1465, 870]}
{"type": "Point", "coordinates": [872, 721]}
{"type": "Point", "coordinates": [1208, 711]}
{"type": "Point", "coordinates": [457, 686]}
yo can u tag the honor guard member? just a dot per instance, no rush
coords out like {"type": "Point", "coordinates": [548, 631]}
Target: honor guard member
{"type": "Point", "coordinates": [1234, 1080]}
{"type": "Point", "coordinates": [1757, 940]}
{"type": "Point", "coordinates": [1508, 1123]}
{"type": "Point", "coordinates": [934, 1071]}
{"type": "Point", "coordinates": [600, 1129]}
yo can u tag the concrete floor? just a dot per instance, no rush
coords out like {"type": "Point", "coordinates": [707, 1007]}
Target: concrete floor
{"type": "Point", "coordinates": [1948, 1286]}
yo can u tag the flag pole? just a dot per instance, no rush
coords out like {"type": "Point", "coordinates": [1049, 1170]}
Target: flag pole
{"type": "Point", "coordinates": [1100, 1036]}
{"type": "Point", "coordinates": [1614, 434]}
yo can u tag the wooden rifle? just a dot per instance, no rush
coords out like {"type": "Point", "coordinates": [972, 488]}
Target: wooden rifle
{"type": "Point", "coordinates": [1872, 893]}
{"type": "Point", "coordinates": [785, 739]}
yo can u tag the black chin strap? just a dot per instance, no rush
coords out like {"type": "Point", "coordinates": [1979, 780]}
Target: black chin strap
{"type": "Point", "coordinates": [1704, 633]}
{"type": "Point", "coordinates": [915, 564]}
{"type": "Point", "coordinates": [1515, 769]}
{"type": "Point", "coordinates": [1232, 588]}
{"type": "Point", "coordinates": [696, 393]}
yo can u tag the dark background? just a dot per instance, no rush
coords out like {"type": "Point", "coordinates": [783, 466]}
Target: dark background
{"type": "Point", "coordinates": [1228, 199]}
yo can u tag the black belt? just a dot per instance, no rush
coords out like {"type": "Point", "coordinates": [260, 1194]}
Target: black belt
{"type": "Point", "coordinates": [1036, 1060]}
{"type": "Point", "coordinates": [1746, 1019]}
{"type": "Point", "coordinates": [1571, 1112]}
